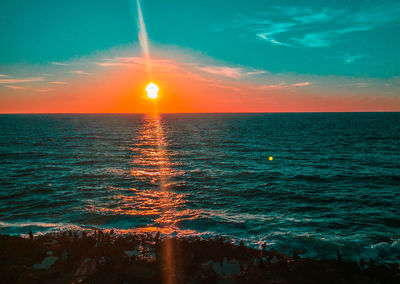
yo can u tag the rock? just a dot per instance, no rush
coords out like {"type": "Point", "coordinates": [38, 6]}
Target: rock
{"type": "Point", "coordinates": [151, 257]}
{"type": "Point", "coordinates": [226, 269]}
{"type": "Point", "coordinates": [230, 268]}
{"type": "Point", "coordinates": [64, 256]}
{"type": "Point", "coordinates": [46, 263]}
{"type": "Point", "coordinates": [88, 267]}
{"type": "Point", "coordinates": [129, 253]}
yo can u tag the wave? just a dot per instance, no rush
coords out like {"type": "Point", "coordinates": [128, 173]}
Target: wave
{"type": "Point", "coordinates": [309, 245]}
{"type": "Point", "coordinates": [13, 228]}
{"type": "Point", "coordinates": [84, 163]}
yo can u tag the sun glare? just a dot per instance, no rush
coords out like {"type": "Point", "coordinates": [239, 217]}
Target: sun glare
{"type": "Point", "coordinates": [152, 91]}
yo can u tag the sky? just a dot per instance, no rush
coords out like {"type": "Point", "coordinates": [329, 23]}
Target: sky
{"type": "Point", "coordinates": [206, 56]}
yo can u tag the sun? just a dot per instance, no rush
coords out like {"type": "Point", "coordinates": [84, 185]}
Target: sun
{"type": "Point", "coordinates": [152, 91]}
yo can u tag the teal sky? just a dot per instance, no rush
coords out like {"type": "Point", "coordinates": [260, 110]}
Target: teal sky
{"type": "Point", "coordinates": [352, 38]}
{"type": "Point", "coordinates": [356, 40]}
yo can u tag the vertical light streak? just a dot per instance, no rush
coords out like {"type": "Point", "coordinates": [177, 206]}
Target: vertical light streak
{"type": "Point", "coordinates": [168, 250]}
{"type": "Point", "coordinates": [143, 39]}
{"type": "Point", "coordinates": [153, 135]}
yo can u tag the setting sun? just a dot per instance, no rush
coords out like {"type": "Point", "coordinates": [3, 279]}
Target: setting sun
{"type": "Point", "coordinates": [152, 91]}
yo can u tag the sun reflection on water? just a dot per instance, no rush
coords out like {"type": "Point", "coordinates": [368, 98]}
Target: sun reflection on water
{"type": "Point", "coordinates": [151, 161]}
{"type": "Point", "coordinates": [155, 158]}
{"type": "Point", "coordinates": [153, 206]}
{"type": "Point", "coordinates": [154, 196]}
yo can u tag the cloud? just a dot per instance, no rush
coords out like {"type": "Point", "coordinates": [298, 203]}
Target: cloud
{"type": "Point", "coordinates": [223, 71]}
{"type": "Point", "coordinates": [44, 90]}
{"type": "Point", "coordinates": [265, 36]}
{"type": "Point", "coordinates": [257, 72]}
{"type": "Point", "coordinates": [312, 27]}
{"type": "Point", "coordinates": [348, 59]}
{"type": "Point", "coordinates": [58, 82]}
{"type": "Point", "coordinates": [60, 64]}
{"type": "Point", "coordinates": [112, 64]}
{"type": "Point", "coordinates": [285, 85]}
{"type": "Point", "coordinates": [15, 87]}
{"type": "Point", "coordinates": [272, 86]}
{"type": "Point", "coordinates": [190, 69]}
{"type": "Point", "coordinates": [20, 81]}
{"type": "Point", "coordinates": [307, 16]}
{"type": "Point", "coordinates": [359, 84]}
{"type": "Point", "coordinates": [79, 72]}
{"type": "Point", "coordinates": [157, 64]}
{"type": "Point", "coordinates": [2, 75]}
{"type": "Point", "coordinates": [230, 72]}
{"type": "Point", "coordinates": [300, 84]}
{"type": "Point", "coordinates": [314, 40]}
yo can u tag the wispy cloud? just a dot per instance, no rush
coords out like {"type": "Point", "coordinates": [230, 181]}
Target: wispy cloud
{"type": "Point", "coordinates": [348, 59]}
{"type": "Point", "coordinates": [20, 81]}
{"type": "Point", "coordinates": [44, 90]}
{"type": "Point", "coordinates": [2, 75]}
{"type": "Point", "coordinates": [159, 65]}
{"type": "Point", "coordinates": [271, 86]}
{"type": "Point", "coordinates": [359, 84]}
{"type": "Point", "coordinates": [230, 72]}
{"type": "Point", "coordinates": [314, 40]}
{"type": "Point", "coordinates": [300, 84]}
{"type": "Point", "coordinates": [58, 82]}
{"type": "Point", "coordinates": [60, 63]}
{"type": "Point", "coordinates": [254, 73]}
{"type": "Point", "coordinates": [79, 72]}
{"type": "Point", "coordinates": [267, 37]}
{"type": "Point", "coordinates": [15, 87]}
{"type": "Point", "coordinates": [223, 71]}
{"type": "Point", "coordinates": [285, 85]}
{"type": "Point", "coordinates": [112, 64]}
{"type": "Point", "coordinates": [311, 27]}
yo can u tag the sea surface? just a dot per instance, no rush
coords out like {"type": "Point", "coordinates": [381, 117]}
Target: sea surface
{"type": "Point", "coordinates": [334, 178]}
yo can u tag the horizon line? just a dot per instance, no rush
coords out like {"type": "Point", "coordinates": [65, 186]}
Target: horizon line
{"type": "Point", "coordinates": [244, 112]}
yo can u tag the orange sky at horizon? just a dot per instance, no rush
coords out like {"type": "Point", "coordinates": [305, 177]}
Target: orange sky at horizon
{"type": "Point", "coordinates": [119, 87]}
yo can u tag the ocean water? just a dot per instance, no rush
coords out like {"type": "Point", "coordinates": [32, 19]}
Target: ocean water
{"type": "Point", "coordinates": [334, 178]}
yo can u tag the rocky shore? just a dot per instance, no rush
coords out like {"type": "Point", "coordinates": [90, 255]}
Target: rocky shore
{"type": "Point", "coordinates": [105, 257]}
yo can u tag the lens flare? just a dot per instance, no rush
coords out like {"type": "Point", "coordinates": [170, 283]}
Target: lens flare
{"type": "Point", "coordinates": [152, 91]}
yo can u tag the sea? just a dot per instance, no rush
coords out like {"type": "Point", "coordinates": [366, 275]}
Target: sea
{"type": "Point", "coordinates": [311, 182]}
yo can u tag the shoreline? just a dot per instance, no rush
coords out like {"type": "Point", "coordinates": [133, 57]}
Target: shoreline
{"type": "Point", "coordinates": [105, 257]}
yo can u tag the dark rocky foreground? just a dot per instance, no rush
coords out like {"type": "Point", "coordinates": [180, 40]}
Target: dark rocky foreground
{"type": "Point", "coordinates": [80, 257]}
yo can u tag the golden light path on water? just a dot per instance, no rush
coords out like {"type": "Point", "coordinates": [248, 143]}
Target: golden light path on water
{"type": "Point", "coordinates": [168, 250]}
{"type": "Point", "coordinates": [156, 166]}
{"type": "Point", "coordinates": [167, 201]}
{"type": "Point", "coordinates": [152, 167]}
